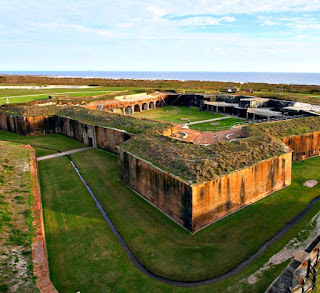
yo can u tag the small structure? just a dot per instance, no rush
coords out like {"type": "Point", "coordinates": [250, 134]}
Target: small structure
{"type": "Point", "coordinates": [253, 102]}
{"type": "Point", "coordinates": [248, 90]}
{"type": "Point", "coordinates": [263, 113]}
{"type": "Point", "coordinates": [231, 89]}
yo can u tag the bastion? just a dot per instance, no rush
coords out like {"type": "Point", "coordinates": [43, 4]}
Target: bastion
{"type": "Point", "coordinates": [194, 185]}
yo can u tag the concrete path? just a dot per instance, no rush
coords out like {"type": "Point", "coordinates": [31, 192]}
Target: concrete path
{"type": "Point", "coordinates": [64, 153]}
{"type": "Point", "coordinates": [209, 120]}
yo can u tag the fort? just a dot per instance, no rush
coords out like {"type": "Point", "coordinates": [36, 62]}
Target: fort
{"type": "Point", "coordinates": [192, 182]}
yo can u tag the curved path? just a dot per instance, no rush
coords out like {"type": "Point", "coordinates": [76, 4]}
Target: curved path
{"type": "Point", "coordinates": [234, 271]}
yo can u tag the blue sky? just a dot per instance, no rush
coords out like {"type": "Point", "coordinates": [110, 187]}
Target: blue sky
{"type": "Point", "coordinates": [166, 35]}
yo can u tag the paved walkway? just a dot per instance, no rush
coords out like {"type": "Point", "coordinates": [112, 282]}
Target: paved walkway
{"type": "Point", "coordinates": [209, 120]}
{"type": "Point", "coordinates": [64, 153]}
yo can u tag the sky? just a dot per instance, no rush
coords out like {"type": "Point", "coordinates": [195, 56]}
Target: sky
{"type": "Point", "coordinates": [166, 35]}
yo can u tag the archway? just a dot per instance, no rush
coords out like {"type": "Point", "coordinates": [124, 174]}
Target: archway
{"type": "Point", "coordinates": [137, 108]}
{"type": "Point", "coordinates": [128, 110]}
{"type": "Point", "coordinates": [158, 104]}
{"type": "Point", "coordinates": [151, 105]}
{"type": "Point", "coordinates": [144, 107]}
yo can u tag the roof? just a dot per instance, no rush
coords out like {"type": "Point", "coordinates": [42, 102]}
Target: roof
{"type": "Point", "coordinates": [221, 104]}
{"type": "Point", "coordinates": [267, 112]}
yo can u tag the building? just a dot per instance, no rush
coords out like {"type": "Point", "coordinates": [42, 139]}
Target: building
{"type": "Point", "coordinates": [231, 89]}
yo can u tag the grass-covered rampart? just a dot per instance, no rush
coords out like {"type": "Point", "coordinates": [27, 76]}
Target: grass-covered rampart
{"type": "Point", "coordinates": [199, 163]}
{"type": "Point", "coordinates": [286, 128]}
{"type": "Point", "coordinates": [93, 117]}
{"type": "Point", "coordinates": [196, 163]}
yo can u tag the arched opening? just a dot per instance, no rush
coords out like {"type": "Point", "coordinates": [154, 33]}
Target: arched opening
{"type": "Point", "coordinates": [157, 104]}
{"type": "Point", "coordinates": [151, 105]}
{"type": "Point", "coordinates": [137, 108]}
{"type": "Point", "coordinates": [144, 107]}
{"type": "Point", "coordinates": [122, 110]}
{"type": "Point", "coordinates": [128, 110]}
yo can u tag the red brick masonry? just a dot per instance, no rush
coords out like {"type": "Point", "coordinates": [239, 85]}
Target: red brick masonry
{"type": "Point", "coordinates": [39, 249]}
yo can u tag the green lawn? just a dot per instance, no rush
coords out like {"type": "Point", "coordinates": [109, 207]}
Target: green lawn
{"type": "Point", "coordinates": [167, 249]}
{"type": "Point", "coordinates": [23, 99]}
{"type": "Point", "coordinates": [28, 95]}
{"type": "Point", "coordinates": [221, 124]}
{"type": "Point", "coordinates": [88, 257]}
{"type": "Point", "coordinates": [84, 255]}
{"type": "Point", "coordinates": [55, 142]}
{"type": "Point", "coordinates": [174, 114]}
{"type": "Point", "coordinates": [23, 92]}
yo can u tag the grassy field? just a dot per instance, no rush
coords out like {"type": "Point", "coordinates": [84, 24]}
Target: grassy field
{"type": "Point", "coordinates": [88, 257]}
{"type": "Point", "coordinates": [176, 114]}
{"type": "Point", "coordinates": [217, 125]}
{"type": "Point", "coordinates": [23, 99]}
{"type": "Point", "coordinates": [167, 249]}
{"type": "Point", "coordinates": [28, 95]}
{"type": "Point", "coordinates": [84, 255]}
{"type": "Point", "coordinates": [15, 220]}
{"type": "Point", "coordinates": [55, 142]}
{"type": "Point", "coordinates": [57, 91]}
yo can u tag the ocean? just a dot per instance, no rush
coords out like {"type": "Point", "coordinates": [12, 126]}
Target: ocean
{"type": "Point", "coordinates": [243, 77]}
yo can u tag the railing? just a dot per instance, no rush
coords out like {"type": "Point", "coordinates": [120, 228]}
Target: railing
{"type": "Point", "coordinates": [306, 273]}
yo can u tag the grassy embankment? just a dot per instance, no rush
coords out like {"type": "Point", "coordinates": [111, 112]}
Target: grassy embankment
{"type": "Point", "coordinates": [15, 219]}
{"type": "Point", "coordinates": [82, 260]}
{"type": "Point", "coordinates": [199, 163]}
{"type": "Point", "coordinates": [44, 145]}
{"type": "Point", "coordinates": [93, 117]}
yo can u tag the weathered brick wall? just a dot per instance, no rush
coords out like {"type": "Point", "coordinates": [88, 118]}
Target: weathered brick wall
{"type": "Point", "coordinates": [217, 198]}
{"type": "Point", "coordinates": [109, 139]}
{"type": "Point", "coordinates": [102, 137]}
{"type": "Point", "coordinates": [196, 205]}
{"type": "Point", "coordinates": [304, 146]}
{"type": "Point", "coordinates": [77, 130]}
{"type": "Point", "coordinates": [169, 194]}
{"type": "Point", "coordinates": [27, 125]}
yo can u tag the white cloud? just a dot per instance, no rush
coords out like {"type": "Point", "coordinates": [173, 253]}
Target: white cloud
{"type": "Point", "coordinates": [79, 28]}
{"type": "Point", "coordinates": [205, 20]}
{"type": "Point", "coordinates": [269, 23]}
{"type": "Point", "coordinates": [156, 11]}
{"type": "Point", "coordinates": [296, 23]}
